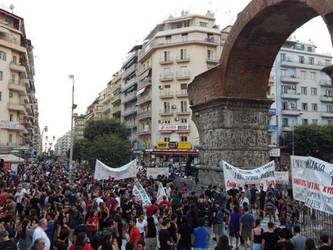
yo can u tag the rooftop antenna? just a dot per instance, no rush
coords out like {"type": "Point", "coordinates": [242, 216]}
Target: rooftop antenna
{"type": "Point", "coordinates": [11, 7]}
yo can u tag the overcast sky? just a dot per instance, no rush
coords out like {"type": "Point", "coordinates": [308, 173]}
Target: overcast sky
{"type": "Point", "coordinates": [90, 39]}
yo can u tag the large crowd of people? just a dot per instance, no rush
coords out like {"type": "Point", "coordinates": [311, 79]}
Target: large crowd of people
{"type": "Point", "coordinates": [44, 207]}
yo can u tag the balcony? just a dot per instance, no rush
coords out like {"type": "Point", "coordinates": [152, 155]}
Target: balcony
{"type": "Point", "coordinates": [144, 131]}
{"type": "Point", "coordinates": [166, 94]}
{"type": "Point", "coordinates": [183, 75]}
{"type": "Point", "coordinates": [290, 79]}
{"type": "Point", "coordinates": [14, 86]}
{"type": "Point", "coordinates": [184, 128]}
{"type": "Point", "coordinates": [129, 84]}
{"type": "Point", "coordinates": [291, 112]}
{"type": "Point", "coordinates": [17, 107]}
{"type": "Point", "coordinates": [294, 96]}
{"type": "Point", "coordinates": [144, 114]}
{"type": "Point", "coordinates": [166, 113]}
{"type": "Point", "coordinates": [166, 77]}
{"type": "Point", "coordinates": [328, 114]}
{"type": "Point", "coordinates": [182, 93]}
{"type": "Point", "coordinates": [326, 98]}
{"type": "Point", "coordinates": [183, 59]}
{"type": "Point", "coordinates": [212, 60]}
{"type": "Point", "coordinates": [13, 45]}
{"type": "Point", "coordinates": [183, 112]}
{"type": "Point", "coordinates": [166, 61]}
{"type": "Point", "coordinates": [19, 68]}
{"type": "Point", "coordinates": [25, 81]}
{"type": "Point", "coordinates": [144, 98]}
{"type": "Point", "coordinates": [127, 72]}
{"type": "Point", "coordinates": [129, 111]}
{"type": "Point", "coordinates": [129, 97]}
{"type": "Point", "coordinates": [144, 83]}
{"type": "Point", "coordinates": [326, 83]}
{"type": "Point", "coordinates": [303, 64]}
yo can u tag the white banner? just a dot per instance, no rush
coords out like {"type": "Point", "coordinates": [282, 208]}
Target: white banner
{"type": "Point", "coordinates": [140, 193]}
{"type": "Point", "coordinates": [161, 192]}
{"type": "Point", "coordinates": [154, 172]}
{"type": "Point", "coordinates": [261, 176]}
{"type": "Point", "coordinates": [282, 177]}
{"type": "Point", "coordinates": [312, 181]}
{"type": "Point", "coordinates": [104, 172]}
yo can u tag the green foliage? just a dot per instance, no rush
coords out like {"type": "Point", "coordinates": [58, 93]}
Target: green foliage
{"type": "Point", "coordinates": [96, 128]}
{"type": "Point", "coordinates": [314, 140]}
{"type": "Point", "coordinates": [105, 140]}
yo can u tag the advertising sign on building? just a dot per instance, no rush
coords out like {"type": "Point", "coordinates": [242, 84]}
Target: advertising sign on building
{"type": "Point", "coordinates": [274, 152]}
{"type": "Point", "coordinates": [9, 125]}
{"type": "Point", "coordinates": [312, 182]}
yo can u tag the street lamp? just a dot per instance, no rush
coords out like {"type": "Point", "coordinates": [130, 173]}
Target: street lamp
{"type": "Point", "coordinates": [72, 132]}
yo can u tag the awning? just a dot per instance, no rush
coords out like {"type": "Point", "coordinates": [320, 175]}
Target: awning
{"type": "Point", "coordinates": [11, 158]}
{"type": "Point", "coordinates": [140, 91]}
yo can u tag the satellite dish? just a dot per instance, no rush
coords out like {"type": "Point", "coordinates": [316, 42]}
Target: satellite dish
{"type": "Point", "coordinates": [11, 7]}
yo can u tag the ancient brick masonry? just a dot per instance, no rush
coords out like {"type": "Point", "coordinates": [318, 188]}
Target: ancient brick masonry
{"type": "Point", "coordinates": [229, 101]}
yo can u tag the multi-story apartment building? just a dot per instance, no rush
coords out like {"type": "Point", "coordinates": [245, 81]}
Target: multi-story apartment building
{"type": "Point", "coordinates": [63, 144]}
{"type": "Point", "coordinates": [95, 110]}
{"type": "Point", "coordinates": [19, 129]}
{"type": "Point", "coordinates": [174, 52]}
{"type": "Point", "coordinates": [79, 124]}
{"type": "Point", "coordinates": [303, 94]}
{"type": "Point", "coordinates": [129, 93]}
{"type": "Point", "coordinates": [116, 83]}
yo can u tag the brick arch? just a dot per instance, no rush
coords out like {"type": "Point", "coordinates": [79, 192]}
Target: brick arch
{"type": "Point", "coordinates": [253, 43]}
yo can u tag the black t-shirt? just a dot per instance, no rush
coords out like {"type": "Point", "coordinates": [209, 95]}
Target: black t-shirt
{"type": "Point", "coordinates": [284, 245]}
{"type": "Point", "coordinates": [185, 236]}
{"type": "Point", "coordinates": [173, 232]}
{"type": "Point", "coordinates": [151, 228]}
{"type": "Point", "coordinates": [288, 232]}
{"type": "Point", "coordinates": [81, 229]}
{"type": "Point", "coordinates": [164, 237]}
{"type": "Point", "coordinates": [8, 245]}
{"type": "Point", "coordinates": [270, 240]}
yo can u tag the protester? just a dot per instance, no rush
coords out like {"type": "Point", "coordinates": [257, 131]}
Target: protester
{"type": "Point", "coordinates": [5, 242]}
{"type": "Point", "coordinates": [310, 244]}
{"type": "Point", "coordinates": [39, 233]}
{"type": "Point", "coordinates": [298, 240]}
{"type": "Point", "coordinates": [200, 236]}
{"type": "Point", "coordinates": [223, 243]}
{"type": "Point", "coordinates": [324, 242]}
{"type": "Point", "coordinates": [246, 225]}
{"type": "Point", "coordinates": [257, 235]}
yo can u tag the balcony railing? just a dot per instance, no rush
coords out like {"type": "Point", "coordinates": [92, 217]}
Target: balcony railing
{"type": "Point", "coordinates": [310, 64]}
{"type": "Point", "coordinates": [129, 97]}
{"type": "Point", "coordinates": [129, 111]}
{"type": "Point", "coordinates": [291, 95]}
{"type": "Point", "coordinates": [144, 98]}
{"type": "Point", "coordinates": [326, 83]}
{"type": "Point", "coordinates": [182, 93]}
{"type": "Point", "coordinates": [326, 98]}
{"type": "Point", "coordinates": [183, 112]}
{"type": "Point", "coordinates": [293, 112]}
{"type": "Point", "coordinates": [212, 60]}
{"type": "Point", "coordinates": [166, 94]}
{"type": "Point", "coordinates": [183, 75]}
{"type": "Point", "coordinates": [129, 71]}
{"type": "Point", "coordinates": [328, 113]}
{"type": "Point", "coordinates": [290, 78]}
{"type": "Point", "coordinates": [166, 112]}
{"type": "Point", "coordinates": [165, 77]}
{"type": "Point", "coordinates": [183, 59]}
{"type": "Point", "coordinates": [143, 114]}
{"type": "Point", "coordinates": [144, 83]}
{"type": "Point", "coordinates": [166, 61]}
{"type": "Point", "coordinates": [144, 131]}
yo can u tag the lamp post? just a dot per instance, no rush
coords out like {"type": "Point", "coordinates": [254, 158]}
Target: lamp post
{"type": "Point", "coordinates": [72, 130]}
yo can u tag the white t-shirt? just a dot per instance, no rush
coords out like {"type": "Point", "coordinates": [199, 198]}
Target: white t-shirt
{"type": "Point", "coordinates": [40, 234]}
{"type": "Point", "coordinates": [242, 202]}
{"type": "Point", "coordinates": [141, 225]}
{"type": "Point", "coordinates": [19, 195]}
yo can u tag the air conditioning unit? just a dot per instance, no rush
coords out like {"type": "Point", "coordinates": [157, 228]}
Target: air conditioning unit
{"type": "Point", "coordinates": [160, 87]}
{"type": "Point", "coordinates": [173, 106]}
{"type": "Point", "coordinates": [176, 119]}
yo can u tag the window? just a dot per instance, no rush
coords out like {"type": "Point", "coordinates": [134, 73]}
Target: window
{"type": "Point", "coordinates": [283, 72]}
{"type": "Point", "coordinates": [303, 75]}
{"type": "Point", "coordinates": [184, 37]}
{"type": "Point", "coordinates": [183, 86]}
{"type": "Point", "coordinates": [10, 139]}
{"type": "Point", "coordinates": [1, 75]}
{"type": "Point", "coordinates": [2, 55]}
{"type": "Point", "coordinates": [183, 54]}
{"type": "Point", "coordinates": [313, 75]}
{"type": "Point", "coordinates": [313, 91]}
{"type": "Point", "coordinates": [166, 121]}
{"type": "Point", "coordinates": [166, 139]}
{"type": "Point", "coordinates": [210, 37]}
{"type": "Point", "coordinates": [304, 90]}
{"type": "Point", "coordinates": [285, 122]}
{"type": "Point", "coordinates": [11, 94]}
{"type": "Point", "coordinates": [166, 107]}
{"type": "Point", "coordinates": [210, 54]}
{"type": "Point", "coordinates": [301, 59]}
{"type": "Point", "coordinates": [329, 92]}
{"type": "Point", "coordinates": [304, 121]}
{"type": "Point", "coordinates": [289, 89]}
{"type": "Point", "coordinates": [167, 86]}
{"type": "Point", "coordinates": [183, 106]}
{"type": "Point", "coordinates": [311, 60]}
{"type": "Point", "coordinates": [283, 57]}
{"type": "Point", "coordinates": [329, 108]}
{"type": "Point", "coordinates": [166, 56]}
{"type": "Point", "coordinates": [330, 122]}
{"type": "Point", "coordinates": [304, 106]}
{"type": "Point", "coordinates": [310, 49]}
{"type": "Point", "coordinates": [314, 121]}
{"type": "Point", "coordinates": [314, 107]}
{"type": "Point", "coordinates": [183, 138]}
{"type": "Point", "coordinates": [203, 24]}
{"type": "Point", "coordinates": [183, 120]}
{"type": "Point", "coordinates": [14, 60]}
{"type": "Point", "coordinates": [168, 39]}
{"type": "Point", "coordinates": [11, 116]}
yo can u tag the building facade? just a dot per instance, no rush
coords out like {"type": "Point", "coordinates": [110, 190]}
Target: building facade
{"type": "Point", "coordinates": [174, 52]}
{"type": "Point", "coordinates": [63, 144]}
{"type": "Point", "coordinates": [79, 124]}
{"type": "Point", "coordinates": [19, 127]}
{"type": "Point", "coordinates": [303, 94]}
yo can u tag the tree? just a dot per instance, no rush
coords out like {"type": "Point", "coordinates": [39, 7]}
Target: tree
{"type": "Point", "coordinates": [110, 149]}
{"type": "Point", "coordinates": [313, 140]}
{"type": "Point", "coordinates": [105, 140]}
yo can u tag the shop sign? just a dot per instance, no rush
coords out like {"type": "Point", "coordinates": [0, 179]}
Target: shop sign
{"type": "Point", "coordinates": [173, 145]}
{"type": "Point", "coordinates": [274, 152]}
{"type": "Point", "coordinates": [168, 127]}
{"type": "Point", "coordinates": [184, 145]}
{"type": "Point", "coordinates": [162, 145]}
